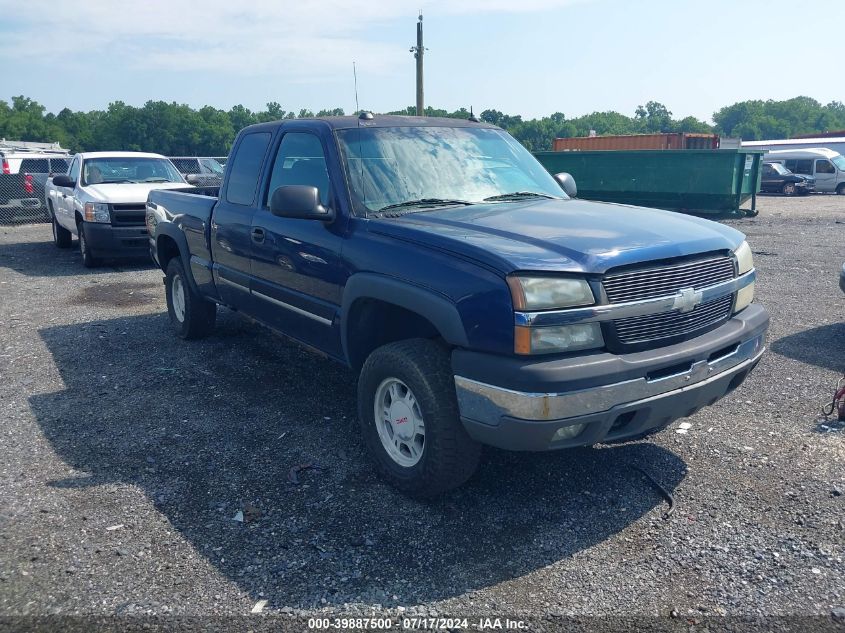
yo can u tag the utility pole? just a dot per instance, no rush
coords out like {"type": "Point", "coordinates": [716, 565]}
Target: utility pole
{"type": "Point", "coordinates": [419, 51]}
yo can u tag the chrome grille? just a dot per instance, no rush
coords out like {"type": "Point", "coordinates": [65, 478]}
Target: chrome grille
{"type": "Point", "coordinates": [649, 283]}
{"type": "Point", "coordinates": [656, 326]}
{"type": "Point", "coordinates": [660, 282]}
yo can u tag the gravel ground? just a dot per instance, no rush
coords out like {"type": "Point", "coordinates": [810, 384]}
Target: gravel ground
{"type": "Point", "coordinates": [126, 453]}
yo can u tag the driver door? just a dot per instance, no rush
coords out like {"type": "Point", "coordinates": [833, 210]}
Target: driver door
{"type": "Point", "coordinates": [297, 274]}
{"type": "Point", "coordinates": [825, 175]}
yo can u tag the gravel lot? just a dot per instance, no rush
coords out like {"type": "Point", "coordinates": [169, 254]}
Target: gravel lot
{"type": "Point", "coordinates": [126, 453]}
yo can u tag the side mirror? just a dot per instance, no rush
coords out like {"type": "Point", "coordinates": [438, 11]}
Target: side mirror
{"type": "Point", "coordinates": [567, 183]}
{"type": "Point", "coordinates": [192, 179]}
{"type": "Point", "coordinates": [299, 201]}
{"type": "Point", "coordinates": [63, 180]}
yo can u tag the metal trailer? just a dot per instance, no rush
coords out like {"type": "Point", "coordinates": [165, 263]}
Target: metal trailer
{"type": "Point", "coordinates": [660, 140]}
{"type": "Point", "coordinates": [711, 182]}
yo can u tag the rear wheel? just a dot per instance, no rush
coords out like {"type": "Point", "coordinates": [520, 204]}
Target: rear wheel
{"type": "Point", "coordinates": [62, 238]}
{"type": "Point", "coordinates": [88, 259]}
{"type": "Point", "coordinates": [788, 189]}
{"type": "Point", "coordinates": [409, 418]}
{"type": "Point", "coordinates": [191, 315]}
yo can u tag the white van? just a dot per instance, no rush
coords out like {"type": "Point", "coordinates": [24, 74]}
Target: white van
{"type": "Point", "coordinates": [825, 165]}
{"type": "Point", "coordinates": [836, 143]}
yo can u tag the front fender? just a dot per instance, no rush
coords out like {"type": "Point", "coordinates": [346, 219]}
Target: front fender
{"type": "Point", "coordinates": [437, 309]}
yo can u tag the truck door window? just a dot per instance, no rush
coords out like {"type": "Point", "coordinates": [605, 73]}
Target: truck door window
{"type": "Point", "coordinates": [299, 161]}
{"type": "Point", "coordinates": [824, 167]}
{"type": "Point", "coordinates": [58, 166]}
{"type": "Point", "coordinates": [73, 172]}
{"type": "Point", "coordinates": [245, 168]}
{"type": "Point", "coordinates": [186, 165]}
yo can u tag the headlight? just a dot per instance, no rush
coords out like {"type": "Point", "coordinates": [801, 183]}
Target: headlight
{"type": "Point", "coordinates": [547, 293]}
{"type": "Point", "coordinates": [557, 339]}
{"type": "Point", "coordinates": [745, 262]}
{"type": "Point", "coordinates": [744, 258]}
{"type": "Point", "coordinates": [97, 212]}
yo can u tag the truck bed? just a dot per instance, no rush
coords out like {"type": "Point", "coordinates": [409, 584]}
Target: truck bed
{"type": "Point", "coordinates": [190, 208]}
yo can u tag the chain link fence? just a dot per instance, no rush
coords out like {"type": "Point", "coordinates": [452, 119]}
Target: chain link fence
{"type": "Point", "coordinates": [22, 180]}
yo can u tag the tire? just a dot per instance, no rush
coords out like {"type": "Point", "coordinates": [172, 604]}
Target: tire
{"type": "Point", "coordinates": [192, 316]}
{"type": "Point", "coordinates": [841, 189]}
{"type": "Point", "coordinates": [788, 189]}
{"type": "Point", "coordinates": [62, 238]}
{"type": "Point", "coordinates": [444, 456]}
{"type": "Point", "coordinates": [88, 259]}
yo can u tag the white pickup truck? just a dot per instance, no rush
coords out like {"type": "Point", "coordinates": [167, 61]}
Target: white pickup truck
{"type": "Point", "coordinates": [102, 199]}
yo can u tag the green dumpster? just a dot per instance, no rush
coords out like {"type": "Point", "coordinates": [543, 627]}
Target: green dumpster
{"type": "Point", "coordinates": [713, 181]}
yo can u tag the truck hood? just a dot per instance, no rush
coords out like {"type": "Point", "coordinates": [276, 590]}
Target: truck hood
{"type": "Point", "coordinates": [126, 191]}
{"type": "Point", "coordinates": [560, 235]}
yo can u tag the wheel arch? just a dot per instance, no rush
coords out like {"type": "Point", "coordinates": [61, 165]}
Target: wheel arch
{"type": "Point", "coordinates": [377, 309]}
{"type": "Point", "coordinates": [170, 242]}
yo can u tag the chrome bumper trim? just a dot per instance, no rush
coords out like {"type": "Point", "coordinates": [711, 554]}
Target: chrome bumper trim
{"type": "Point", "coordinates": [613, 311]}
{"type": "Point", "coordinates": [487, 403]}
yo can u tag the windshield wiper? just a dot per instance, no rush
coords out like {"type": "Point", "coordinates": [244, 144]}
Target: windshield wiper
{"type": "Point", "coordinates": [423, 202]}
{"type": "Point", "coordinates": [515, 195]}
{"type": "Point", "coordinates": [157, 180]}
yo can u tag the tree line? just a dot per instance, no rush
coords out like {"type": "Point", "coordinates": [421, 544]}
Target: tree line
{"type": "Point", "coordinates": [177, 129]}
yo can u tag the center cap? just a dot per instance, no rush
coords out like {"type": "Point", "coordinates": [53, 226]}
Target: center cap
{"type": "Point", "coordinates": [402, 421]}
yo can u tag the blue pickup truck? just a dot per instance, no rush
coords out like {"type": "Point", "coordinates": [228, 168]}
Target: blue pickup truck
{"type": "Point", "coordinates": [478, 301]}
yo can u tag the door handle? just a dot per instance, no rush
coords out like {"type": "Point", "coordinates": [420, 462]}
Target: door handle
{"type": "Point", "coordinates": [258, 235]}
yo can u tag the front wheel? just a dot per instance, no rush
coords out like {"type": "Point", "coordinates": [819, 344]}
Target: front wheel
{"type": "Point", "coordinates": [191, 315]}
{"type": "Point", "coordinates": [61, 236]}
{"type": "Point", "coordinates": [788, 189]}
{"type": "Point", "coordinates": [409, 418]}
{"type": "Point", "coordinates": [88, 259]}
{"type": "Point", "coordinates": [841, 189]}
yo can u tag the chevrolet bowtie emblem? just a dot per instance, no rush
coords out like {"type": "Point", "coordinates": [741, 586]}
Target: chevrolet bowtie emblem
{"type": "Point", "coordinates": [686, 300]}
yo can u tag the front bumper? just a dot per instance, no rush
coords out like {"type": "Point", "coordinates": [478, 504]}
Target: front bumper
{"type": "Point", "coordinates": [523, 405]}
{"type": "Point", "coordinates": [106, 240]}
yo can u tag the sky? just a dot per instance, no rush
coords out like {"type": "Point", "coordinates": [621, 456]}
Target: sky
{"type": "Point", "coordinates": [528, 57]}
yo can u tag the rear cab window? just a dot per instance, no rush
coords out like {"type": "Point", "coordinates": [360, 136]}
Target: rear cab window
{"type": "Point", "coordinates": [245, 168]}
{"type": "Point", "coordinates": [35, 166]}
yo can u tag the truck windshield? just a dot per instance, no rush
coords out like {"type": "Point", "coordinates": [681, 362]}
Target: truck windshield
{"type": "Point", "coordinates": [96, 171]}
{"type": "Point", "coordinates": [417, 167]}
{"type": "Point", "coordinates": [839, 161]}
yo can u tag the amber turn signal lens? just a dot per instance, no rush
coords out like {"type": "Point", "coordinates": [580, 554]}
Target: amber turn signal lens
{"type": "Point", "coordinates": [522, 340]}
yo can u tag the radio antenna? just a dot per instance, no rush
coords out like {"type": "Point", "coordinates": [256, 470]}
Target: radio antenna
{"type": "Point", "coordinates": [355, 76]}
